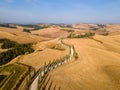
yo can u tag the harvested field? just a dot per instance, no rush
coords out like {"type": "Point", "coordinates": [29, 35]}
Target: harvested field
{"type": "Point", "coordinates": [96, 69]}
{"type": "Point", "coordinates": [19, 36]}
{"type": "Point", "coordinates": [42, 55]}
{"type": "Point", "coordinates": [97, 66]}
{"type": "Point", "coordinates": [52, 32]}
{"type": "Point", "coordinates": [40, 58]}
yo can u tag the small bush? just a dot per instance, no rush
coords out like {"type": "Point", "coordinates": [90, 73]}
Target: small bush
{"type": "Point", "coordinates": [26, 30]}
{"type": "Point", "coordinates": [55, 46]}
{"type": "Point", "coordinates": [76, 55]}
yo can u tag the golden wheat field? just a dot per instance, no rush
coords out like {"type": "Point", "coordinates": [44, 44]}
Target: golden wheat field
{"type": "Point", "coordinates": [59, 44]}
{"type": "Point", "coordinates": [97, 68]}
{"type": "Point", "coordinates": [19, 36]}
{"type": "Point", "coordinates": [98, 63]}
{"type": "Point", "coordinates": [43, 54]}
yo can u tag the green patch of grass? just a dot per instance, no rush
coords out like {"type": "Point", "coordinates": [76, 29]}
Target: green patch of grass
{"type": "Point", "coordinates": [17, 73]}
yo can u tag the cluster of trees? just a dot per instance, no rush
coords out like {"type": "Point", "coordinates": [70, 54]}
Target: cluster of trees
{"type": "Point", "coordinates": [35, 27]}
{"type": "Point", "coordinates": [29, 25]}
{"type": "Point", "coordinates": [81, 35]}
{"type": "Point", "coordinates": [64, 25]}
{"type": "Point", "coordinates": [26, 30]}
{"type": "Point", "coordinates": [95, 29]}
{"type": "Point", "coordinates": [7, 25]}
{"type": "Point", "coordinates": [101, 25]}
{"type": "Point", "coordinates": [6, 43]}
{"type": "Point", "coordinates": [40, 27]}
{"type": "Point", "coordinates": [17, 49]}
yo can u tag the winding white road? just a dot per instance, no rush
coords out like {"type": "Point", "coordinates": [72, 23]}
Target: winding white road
{"type": "Point", "coordinates": [34, 85]}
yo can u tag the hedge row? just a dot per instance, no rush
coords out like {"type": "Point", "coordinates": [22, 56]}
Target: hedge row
{"type": "Point", "coordinates": [80, 35]}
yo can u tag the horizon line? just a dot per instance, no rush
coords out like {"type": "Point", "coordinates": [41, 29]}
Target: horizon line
{"type": "Point", "coordinates": [50, 23]}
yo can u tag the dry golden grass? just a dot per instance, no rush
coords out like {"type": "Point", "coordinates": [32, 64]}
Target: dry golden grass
{"type": "Point", "coordinates": [114, 74]}
{"type": "Point", "coordinates": [40, 58]}
{"type": "Point", "coordinates": [98, 66]}
{"type": "Point", "coordinates": [19, 36]}
{"type": "Point", "coordinates": [52, 32]}
{"type": "Point", "coordinates": [84, 26]}
{"type": "Point", "coordinates": [96, 69]}
{"type": "Point", "coordinates": [42, 55]}
{"type": "Point", "coordinates": [113, 29]}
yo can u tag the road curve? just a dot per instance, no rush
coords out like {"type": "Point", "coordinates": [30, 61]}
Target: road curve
{"type": "Point", "coordinates": [34, 85]}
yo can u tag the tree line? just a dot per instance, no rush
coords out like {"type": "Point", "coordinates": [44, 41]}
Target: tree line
{"type": "Point", "coordinates": [7, 25]}
{"type": "Point", "coordinates": [16, 50]}
{"type": "Point", "coordinates": [35, 27]}
{"type": "Point", "coordinates": [90, 34]}
{"type": "Point", "coordinates": [6, 43]}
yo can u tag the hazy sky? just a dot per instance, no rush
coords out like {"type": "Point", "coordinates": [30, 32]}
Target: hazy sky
{"type": "Point", "coordinates": [60, 11]}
